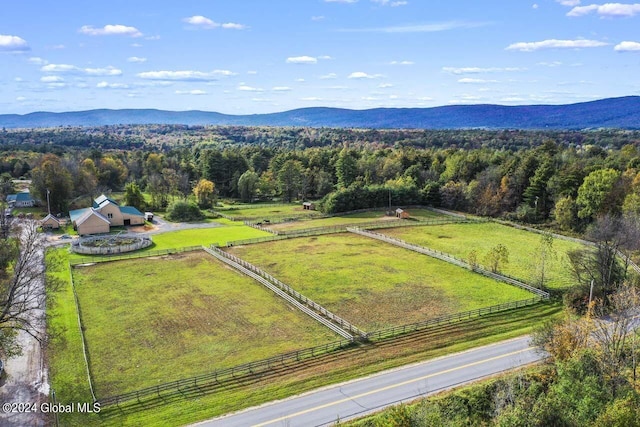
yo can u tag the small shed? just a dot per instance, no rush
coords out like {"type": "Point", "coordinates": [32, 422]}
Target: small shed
{"type": "Point", "coordinates": [148, 216]}
{"type": "Point", "coordinates": [401, 213]}
{"type": "Point", "coordinates": [309, 206]}
{"type": "Point", "coordinates": [50, 222]}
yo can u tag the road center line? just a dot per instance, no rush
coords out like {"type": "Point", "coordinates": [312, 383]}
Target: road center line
{"type": "Point", "coordinates": [392, 386]}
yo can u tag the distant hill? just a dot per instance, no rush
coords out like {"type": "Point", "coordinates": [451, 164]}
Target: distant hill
{"type": "Point", "coordinates": [623, 113]}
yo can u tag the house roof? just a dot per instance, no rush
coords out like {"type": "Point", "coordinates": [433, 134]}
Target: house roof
{"type": "Point", "coordinates": [91, 213]}
{"type": "Point", "coordinates": [48, 217]}
{"type": "Point", "coordinates": [130, 210]}
{"type": "Point", "coordinates": [77, 213]}
{"type": "Point", "coordinates": [19, 197]}
{"type": "Point", "coordinates": [101, 201]}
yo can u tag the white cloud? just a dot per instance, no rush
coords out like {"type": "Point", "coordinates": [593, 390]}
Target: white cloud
{"type": "Point", "coordinates": [300, 80]}
{"type": "Point", "coordinates": [311, 98]}
{"type": "Point", "coordinates": [21, 99]}
{"type": "Point", "coordinates": [329, 76]}
{"type": "Point", "coordinates": [108, 71]}
{"type": "Point", "coordinates": [424, 28]}
{"type": "Point", "coordinates": [401, 63]}
{"type": "Point", "coordinates": [479, 70]}
{"type": "Point", "coordinates": [569, 2]}
{"type": "Point", "coordinates": [338, 87]}
{"type": "Point", "coordinates": [391, 3]}
{"type": "Point", "coordinates": [58, 68]}
{"type": "Point", "coordinates": [38, 61]}
{"type": "Point", "coordinates": [476, 81]}
{"type": "Point", "coordinates": [110, 30]}
{"type": "Point", "coordinates": [190, 92]}
{"type": "Point", "coordinates": [341, 1]}
{"type": "Point", "coordinates": [555, 44]}
{"type": "Point", "coordinates": [425, 98]}
{"type": "Point", "coordinates": [18, 79]}
{"type": "Point", "coordinates": [246, 88]}
{"type": "Point", "coordinates": [550, 64]}
{"type": "Point", "coordinates": [152, 38]}
{"type": "Point", "coordinates": [317, 18]}
{"type": "Point", "coordinates": [187, 75]}
{"type": "Point", "coordinates": [385, 85]}
{"type": "Point", "coordinates": [281, 88]}
{"type": "Point", "coordinates": [233, 26]}
{"type": "Point", "coordinates": [252, 72]}
{"type": "Point", "coordinates": [627, 47]}
{"type": "Point", "coordinates": [58, 47]}
{"type": "Point", "coordinates": [301, 60]}
{"type": "Point", "coordinates": [51, 79]}
{"type": "Point", "coordinates": [325, 57]}
{"type": "Point", "coordinates": [67, 68]}
{"type": "Point", "coordinates": [136, 59]}
{"type": "Point", "coordinates": [203, 22]}
{"type": "Point", "coordinates": [107, 85]}
{"type": "Point", "coordinates": [535, 6]}
{"type": "Point", "coordinates": [361, 75]}
{"type": "Point", "coordinates": [610, 10]}
{"type": "Point", "coordinates": [13, 44]}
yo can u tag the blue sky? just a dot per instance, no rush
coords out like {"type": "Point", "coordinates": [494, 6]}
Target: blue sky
{"type": "Point", "coordinates": [250, 56]}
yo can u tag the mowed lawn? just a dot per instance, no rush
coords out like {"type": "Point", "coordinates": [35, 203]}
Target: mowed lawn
{"type": "Point", "coordinates": [229, 232]}
{"type": "Point", "coordinates": [353, 219]}
{"type": "Point", "coordinates": [461, 239]}
{"type": "Point", "coordinates": [149, 321]}
{"type": "Point", "coordinates": [373, 284]}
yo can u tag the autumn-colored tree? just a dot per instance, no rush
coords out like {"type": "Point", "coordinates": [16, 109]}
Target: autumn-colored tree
{"type": "Point", "coordinates": [204, 191]}
{"type": "Point", "coordinates": [497, 256]}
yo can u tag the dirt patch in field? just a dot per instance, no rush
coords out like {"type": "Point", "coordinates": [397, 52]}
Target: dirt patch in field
{"type": "Point", "coordinates": [401, 305]}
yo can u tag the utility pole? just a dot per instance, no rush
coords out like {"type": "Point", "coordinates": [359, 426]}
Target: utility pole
{"type": "Point", "coordinates": [590, 297]}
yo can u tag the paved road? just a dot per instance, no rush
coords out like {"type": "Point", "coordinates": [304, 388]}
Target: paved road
{"type": "Point", "coordinates": [370, 394]}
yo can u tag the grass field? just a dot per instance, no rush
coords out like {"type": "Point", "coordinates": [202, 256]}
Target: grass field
{"type": "Point", "coordinates": [67, 372]}
{"type": "Point", "coordinates": [265, 212]}
{"type": "Point", "coordinates": [228, 232]}
{"type": "Point", "coordinates": [372, 284]}
{"type": "Point", "coordinates": [353, 219]}
{"type": "Point", "coordinates": [205, 236]}
{"type": "Point", "coordinates": [460, 239]}
{"type": "Point", "coordinates": [156, 320]}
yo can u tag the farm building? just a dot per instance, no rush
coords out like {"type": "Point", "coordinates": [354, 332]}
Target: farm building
{"type": "Point", "coordinates": [50, 222]}
{"type": "Point", "coordinates": [401, 213]}
{"type": "Point", "coordinates": [104, 214]}
{"type": "Point", "coordinates": [309, 206]}
{"type": "Point", "coordinates": [20, 200]}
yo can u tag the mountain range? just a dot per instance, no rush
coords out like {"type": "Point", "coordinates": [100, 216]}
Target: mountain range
{"type": "Point", "coordinates": [622, 113]}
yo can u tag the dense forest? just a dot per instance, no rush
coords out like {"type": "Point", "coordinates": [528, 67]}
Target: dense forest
{"type": "Point", "coordinates": [564, 178]}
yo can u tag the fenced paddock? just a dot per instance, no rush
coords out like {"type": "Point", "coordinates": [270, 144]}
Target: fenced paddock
{"type": "Point", "coordinates": [459, 239]}
{"type": "Point", "coordinates": [149, 321]}
{"type": "Point", "coordinates": [374, 285]}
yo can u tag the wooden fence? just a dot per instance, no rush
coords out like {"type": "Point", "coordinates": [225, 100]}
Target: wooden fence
{"type": "Point", "coordinates": [118, 257]}
{"type": "Point", "coordinates": [450, 259]}
{"type": "Point", "coordinates": [220, 376]}
{"type": "Point", "coordinates": [335, 323]}
{"type": "Point", "coordinates": [331, 229]}
{"type": "Point", "coordinates": [451, 318]}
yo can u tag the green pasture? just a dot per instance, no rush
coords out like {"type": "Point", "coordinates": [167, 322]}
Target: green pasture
{"type": "Point", "coordinates": [460, 239]}
{"type": "Point", "coordinates": [151, 321]}
{"type": "Point", "coordinates": [373, 284]}
{"type": "Point", "coordinates": [265, 212]}
{"type": "Point", "coordinates": [353, 219]}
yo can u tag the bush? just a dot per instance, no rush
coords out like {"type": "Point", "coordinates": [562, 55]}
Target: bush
{"type": "Point", "coordinates": [183, 211]}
